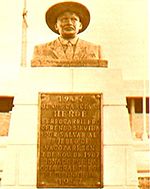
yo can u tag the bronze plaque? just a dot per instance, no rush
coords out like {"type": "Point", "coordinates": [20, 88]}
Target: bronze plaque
{"type": "Point", "coordinates": [70, 141]}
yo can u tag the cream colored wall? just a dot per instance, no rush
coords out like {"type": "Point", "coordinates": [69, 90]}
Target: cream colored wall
{"type": "Point", "coordinates": [120, 27]}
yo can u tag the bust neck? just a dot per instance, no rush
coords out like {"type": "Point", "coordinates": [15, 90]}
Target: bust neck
{"type": "Point", "coordinates": [64, 41]}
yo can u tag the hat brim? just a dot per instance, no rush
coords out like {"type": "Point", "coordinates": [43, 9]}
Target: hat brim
{"type": "Point", "coordinates": [54, 11]}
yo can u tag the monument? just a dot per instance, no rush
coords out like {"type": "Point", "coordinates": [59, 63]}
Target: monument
{"type": "Point", "coordinates": [69, 127]}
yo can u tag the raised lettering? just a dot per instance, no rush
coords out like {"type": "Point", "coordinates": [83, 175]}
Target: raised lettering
{"type": "Point", "coordinates": [69, 145]}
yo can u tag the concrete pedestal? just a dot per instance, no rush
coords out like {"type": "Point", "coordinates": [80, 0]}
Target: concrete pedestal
{"type": "Point", "coordinates": [119, 163]}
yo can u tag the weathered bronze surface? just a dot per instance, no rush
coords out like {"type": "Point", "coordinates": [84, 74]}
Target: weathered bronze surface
{"type": "Point", "coordinates": [74, 63]}
{"type": "Point", "coordinates": [70, 141]}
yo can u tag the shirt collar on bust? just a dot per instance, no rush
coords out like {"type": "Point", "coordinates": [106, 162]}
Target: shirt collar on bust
{"type": "Point", "coordinates": [65, 41]}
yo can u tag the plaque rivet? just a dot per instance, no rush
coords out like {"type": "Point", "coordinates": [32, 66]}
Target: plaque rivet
{"type": "Point", "coordinates": [98, 96]}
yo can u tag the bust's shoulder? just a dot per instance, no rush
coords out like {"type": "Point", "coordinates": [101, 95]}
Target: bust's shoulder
{"type": "Point", "coordinates": [48, 44]}
{"type": "Point", "coordinates": [87, 43]}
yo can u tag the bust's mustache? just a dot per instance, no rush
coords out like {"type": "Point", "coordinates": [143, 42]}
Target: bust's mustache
{"type": "Point", "coordinates": [69, 27]}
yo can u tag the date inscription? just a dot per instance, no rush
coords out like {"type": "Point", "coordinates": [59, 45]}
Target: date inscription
{"type": "Point", "coordinates": [70, 151]}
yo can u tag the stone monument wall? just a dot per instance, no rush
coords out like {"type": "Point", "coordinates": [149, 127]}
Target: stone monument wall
{"type": "Point", "coordinates": [20, 171]}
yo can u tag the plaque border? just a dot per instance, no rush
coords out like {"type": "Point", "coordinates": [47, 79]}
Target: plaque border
{"type": "Point", "coordinates": [101, 184]}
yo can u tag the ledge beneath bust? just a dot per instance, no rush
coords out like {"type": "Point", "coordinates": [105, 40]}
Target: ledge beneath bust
{"type": "Point", "coordinates": [45, 62]}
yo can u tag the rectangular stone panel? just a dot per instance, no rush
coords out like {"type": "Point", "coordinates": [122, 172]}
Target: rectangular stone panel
{"type": "Point", "coordinates": [70, 153]}
{"type": "Point", "coordinates": [66, 63]}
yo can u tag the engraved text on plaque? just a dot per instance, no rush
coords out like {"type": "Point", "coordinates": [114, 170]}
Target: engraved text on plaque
{"type": "Point", "coordinates": [69, 140]}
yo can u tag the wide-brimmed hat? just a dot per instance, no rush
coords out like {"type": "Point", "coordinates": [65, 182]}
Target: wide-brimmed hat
{"type": "Point", "coordinates": [54, 11]}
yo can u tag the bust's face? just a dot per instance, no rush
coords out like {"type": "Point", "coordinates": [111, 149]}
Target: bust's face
{"type": "Point", "coordinates": [68, 25]}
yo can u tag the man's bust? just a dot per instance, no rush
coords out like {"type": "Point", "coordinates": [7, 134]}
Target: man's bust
{"type": "Point", "coordinates": [67, 19]}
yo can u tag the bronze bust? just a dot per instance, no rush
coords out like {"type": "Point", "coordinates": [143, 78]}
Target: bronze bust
{"type": "Point", "coordinates": [67, 19]}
